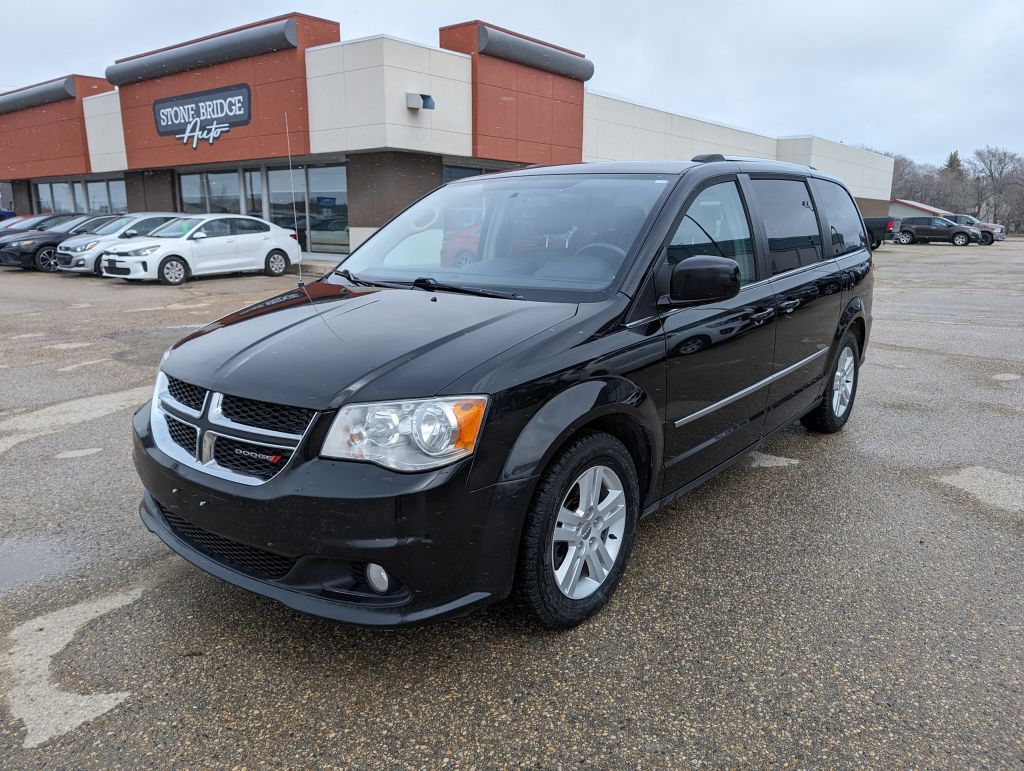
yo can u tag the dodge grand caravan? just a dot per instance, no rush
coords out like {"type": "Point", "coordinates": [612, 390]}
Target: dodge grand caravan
{"type": "Point", "coordinates": [409, 438]}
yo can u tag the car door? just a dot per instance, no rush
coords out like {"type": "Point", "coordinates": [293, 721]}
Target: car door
{"type": "Point", "coordinates": [720, 354]}
{"type": "Point", "coordinates": [942, 229]}
{"type": "Point", "coordinates": [252, 243]}
{"type": "Point", "coordinates": [808, 293]}
{"type": "Point", "coordinates": [213, 248]}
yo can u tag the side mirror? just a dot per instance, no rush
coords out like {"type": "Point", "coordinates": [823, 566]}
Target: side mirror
{"type": "Point", "coordinates": [703, 279]}
{"type": "Point", "coordinates": [199, 235]}
{"type": "Point", "coordinates": [129, 234]}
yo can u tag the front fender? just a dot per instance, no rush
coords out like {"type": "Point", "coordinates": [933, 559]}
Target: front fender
{"type": "Point", "coordinates": [575, 407]}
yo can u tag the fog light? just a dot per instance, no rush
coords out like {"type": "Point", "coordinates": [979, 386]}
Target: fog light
{"type": "Point", "coordinates": [79, 263]}
{"type": "Point", "coordinates": [377, 577]}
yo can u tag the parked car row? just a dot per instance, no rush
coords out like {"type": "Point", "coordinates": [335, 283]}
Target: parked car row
{"type": "Point", "coordinates": [957, 229]}
{"type": "Point", "coordinates": [163, 246]}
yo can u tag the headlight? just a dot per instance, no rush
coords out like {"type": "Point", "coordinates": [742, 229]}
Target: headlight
{"type": "Point", "coordinates": [85, 247]}
{"type": "Point", "coordinates": [411, 435]}
{"type": "Point", "coordinates": [142, 252]}
{"type": "Point", "coordinates": [19, 244]}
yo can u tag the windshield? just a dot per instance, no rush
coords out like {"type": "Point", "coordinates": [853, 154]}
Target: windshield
{"type": "Point", "coordinates": [40, 222]}
{"type": "Point", "coordinates": [560, 233]}
{"type": "Point", "coordinates": [114, 226]}
{"type": "Point", "coordinates": [176, 228]}
{"type": "Point", "coordinates": [67, 225]}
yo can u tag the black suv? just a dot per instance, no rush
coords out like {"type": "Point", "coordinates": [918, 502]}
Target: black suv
{"type": "Point", "coordinates": [925, 229]}
{"type": "Point", "coordinates": [407, 439]}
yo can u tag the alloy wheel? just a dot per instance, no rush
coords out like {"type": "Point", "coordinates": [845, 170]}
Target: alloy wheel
{"type": "Point", "coordinates": [960, 239]}
{"type": "Point", "coordinates": [588, 532]}
{"type": "Point", "coordinates": [905, 238]}
{"type": "Point", "coordinates": [842, 382]}
{"type": "Point", "coordinates": [46, 259]}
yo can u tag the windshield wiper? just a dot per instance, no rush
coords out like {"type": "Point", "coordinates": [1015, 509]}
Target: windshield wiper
{"type": "Point", "coordinates": [432, 284]}
{"type": "Point", "coordinates": [346, 274]}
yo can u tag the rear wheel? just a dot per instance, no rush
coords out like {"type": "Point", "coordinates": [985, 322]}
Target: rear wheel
{"type": "Point", "coordinates": [173, 271]}
{"type": "Point", "coordinates": [46, 259]}
{"type": "Point", "coordinates": [579, 532]}
{"type": "Point", "coordinates": [875, 244]}
{"type": "Point", "coordinates": [987, 239]}
{"type": "Point", "coordinates": [837, 403]}
{"type": "Point", "coordinates": [960, 239]}
{"type": "Point", "coordinates": [905, 237]}
{"type": "Point", "coordinates": [276, 264]}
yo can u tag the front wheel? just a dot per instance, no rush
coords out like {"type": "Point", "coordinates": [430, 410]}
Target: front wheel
{"type": "Point", "coordinates": [837, 403]}
{"type": "Point", "coordinates": [276, 264]}
{"type": "Point", "coordinates": [987, 239]}
{"type": "Point", "coordinates": [579, 532]}
{"type": "Point", "coordinates": [173, 271]}
{"type": "Point", "coordinates": [905, 237]}
{"type": "Point", "coordinates": [961, 239]}
{"type": "Point", "coordinates": [46, 259]}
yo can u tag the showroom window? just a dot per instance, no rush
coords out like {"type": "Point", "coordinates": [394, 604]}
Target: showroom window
{"type": "Point", "coordinates": [222, 193]}
{"type": "Point", "coordinates": [452, 173]}
{"type": "Point", "coordinates": [102, 196]}
{"type": "Point", "coordinates": [328, 209]}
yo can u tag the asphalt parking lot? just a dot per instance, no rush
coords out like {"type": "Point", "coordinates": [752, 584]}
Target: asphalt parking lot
{"type": "Point", "coordinates": [855, 599]}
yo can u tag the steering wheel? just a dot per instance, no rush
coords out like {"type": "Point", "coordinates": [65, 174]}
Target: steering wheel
{"type": "Point", "coordinates": [616, 251]}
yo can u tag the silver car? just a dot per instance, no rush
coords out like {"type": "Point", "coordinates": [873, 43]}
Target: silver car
{"type": "Point", "coordinates": [81, 254]}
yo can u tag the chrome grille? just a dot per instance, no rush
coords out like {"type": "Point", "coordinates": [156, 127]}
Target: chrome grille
{"type": "Point", "coordinates": [186, 393]}
{"type": "Point", "coordinates": [184, 435]}
{"type": "Point", "coordinates": [271, 417]}
{"type": "Point", "coordinates": [248, 559]}
{"type": "Point", "coordinates": [256, 460]}
{"type": "Point", "coordinates": [190, 425]}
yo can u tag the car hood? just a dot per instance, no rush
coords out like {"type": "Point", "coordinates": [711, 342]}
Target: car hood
{"type": "Point", "coordinates": [23, 235]}
{"type": "Point", "coordinates": [88, 238]}
{"type": "Point", "coordinates": [330, 343]}
{"type": "Point", "coordinates": [125, 245]}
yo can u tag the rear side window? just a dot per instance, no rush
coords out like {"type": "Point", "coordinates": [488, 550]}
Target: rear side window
{"type": "Point", "coordinates": [845, 229]}
{"type": "Point", "coordinates": [790, 223]}
{"type": "Point", "coordinates": [716, 224]}
{"type": "Point", "coordinates": [246, 227]}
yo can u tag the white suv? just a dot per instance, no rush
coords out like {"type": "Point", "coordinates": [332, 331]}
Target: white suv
{"type": "Point", "coordinates": [202, 245]}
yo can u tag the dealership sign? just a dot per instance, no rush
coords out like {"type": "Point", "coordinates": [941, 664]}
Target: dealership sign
{"type": "Point", "coordinates": [205, 116]}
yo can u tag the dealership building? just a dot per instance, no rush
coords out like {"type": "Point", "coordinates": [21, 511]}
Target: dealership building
{"type": "Point", "coordinates": [285, 120]}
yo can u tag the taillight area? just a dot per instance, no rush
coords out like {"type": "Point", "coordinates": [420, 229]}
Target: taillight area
{"type": "Point", "coordinates": [294, 236]}
{"type": "Point", "coordinates": [888, 226]}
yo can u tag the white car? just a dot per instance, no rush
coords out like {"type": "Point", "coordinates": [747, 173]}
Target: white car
{"type": "Point", "coordinates": [203, 245]}
{"type": "Point", "coordinates": [81, 254]}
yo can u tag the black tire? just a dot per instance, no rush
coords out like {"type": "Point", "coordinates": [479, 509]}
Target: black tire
{"type": "Point", "coordinates": [171, 276]}
{"type": "Point", "coordinates": [875, 245]}
{"type": "Point", "coordinates": [905, 237]}
{"type": "Point", "coordinates": [276, 263]}
{"type": "Point", "coordinates": [987, 239]}
{"type": "Point", "coordinates": [45, 259]}
{"type": "Point", "coordinates": [464, 258]}
{"type": "Point", "coordinates": [536, 592]}
{"type": "Point", "coordinates": [961, 239]}
{"type": "Point", "coordinates": [824, 418]}
{"type": "Point", "coordinates": [97, 268]}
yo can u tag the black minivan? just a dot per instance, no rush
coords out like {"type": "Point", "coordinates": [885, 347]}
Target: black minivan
{"type": "Point", "coordinates": [414, 436]}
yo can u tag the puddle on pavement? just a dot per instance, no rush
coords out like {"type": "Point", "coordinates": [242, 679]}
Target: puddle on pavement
{"type": "Point", "coordinates": [24, 560]}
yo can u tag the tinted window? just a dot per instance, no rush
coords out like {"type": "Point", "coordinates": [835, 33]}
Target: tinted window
{"type": "Point", "coordinates": [176, 228]}
{"type": "Point", "coordinates": [716, 224]}
{"type": "Point", "coordinates": [790, 223]}
{"type": "Point", "coordinates": [915, 220]}
{"type": "Point", "coordinates": [247, 227]}
{"type": "Point", "coordinates": [216, 228]}
{"type": "Point", "coordinates": [845, 229]}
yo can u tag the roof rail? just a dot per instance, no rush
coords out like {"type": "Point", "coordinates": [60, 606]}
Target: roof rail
{"type": "Point", "coordinates": [713, 157]}
{"type": "Point", "coordinates": [708, 158]}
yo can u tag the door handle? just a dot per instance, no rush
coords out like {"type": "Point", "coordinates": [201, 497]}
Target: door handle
{"type": "Point", "coordinates": [762, 315]}
{"type": "Point", "coordinates": [787, 306]}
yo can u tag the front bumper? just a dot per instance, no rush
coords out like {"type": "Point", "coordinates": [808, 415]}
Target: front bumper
{"type": "Point", "coordinates": [120, 266]}
{"type": "Point", "coordinates": [303, 537]}
{"type": "Point", "coordinates": [77, 262]}
{"type": "Point", "coordinates": [15, 259]}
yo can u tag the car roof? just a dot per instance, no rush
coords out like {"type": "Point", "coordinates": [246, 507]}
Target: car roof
{"type": "Point", "coordinates": [726, 163]}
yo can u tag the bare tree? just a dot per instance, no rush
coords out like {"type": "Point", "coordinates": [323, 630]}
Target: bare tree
{"type": "Point", "coordinates": [1000, 169]}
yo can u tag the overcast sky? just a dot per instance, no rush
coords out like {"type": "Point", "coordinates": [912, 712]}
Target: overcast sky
{"type": "Point", "coordinates": [919, 78]}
